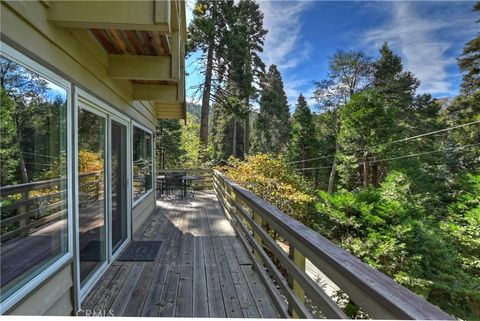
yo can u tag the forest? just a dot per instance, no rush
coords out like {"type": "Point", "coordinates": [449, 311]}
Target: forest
{"type": "Point", "coordinates": [387, 173]}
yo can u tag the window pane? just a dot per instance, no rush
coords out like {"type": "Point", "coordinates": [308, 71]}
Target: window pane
{"type": "Point", "coordinates": [91, 188]}
{"type": "Point", "coordinates": [142, 162]}
{"type": "Point", "coordinates": [33, 201]}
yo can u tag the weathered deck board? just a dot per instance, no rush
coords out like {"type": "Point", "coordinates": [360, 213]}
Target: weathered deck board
{"type": "Point", "coordinates": [201, 269]}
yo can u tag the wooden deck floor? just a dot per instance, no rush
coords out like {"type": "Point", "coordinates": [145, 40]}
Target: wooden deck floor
{"type": "Point", "coordinates": [201, 269]}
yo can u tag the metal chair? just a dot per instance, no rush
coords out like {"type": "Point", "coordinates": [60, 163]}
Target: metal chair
{"type": "Point", "coordinates": [173, 181]}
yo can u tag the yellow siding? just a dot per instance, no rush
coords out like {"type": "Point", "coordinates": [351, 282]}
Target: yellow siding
{"type": "Point", "coordinates": [141, 212]}
{"type": "Point", "coordinates": [53, 297]}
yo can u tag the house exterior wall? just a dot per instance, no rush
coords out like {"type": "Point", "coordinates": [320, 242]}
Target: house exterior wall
{"type": "Point", "coordinates": [76, 56]}
{"type": "Point", "coordinates": [53, 297]}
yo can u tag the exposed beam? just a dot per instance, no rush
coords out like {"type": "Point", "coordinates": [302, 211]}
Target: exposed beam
{"type": "Point", "coordinates": [176, 110]}
{"type": "Point", "coordinates": [163, 13]}
{"type": "Point", "coordinates": [153, 15]}
{"type": "Point", "coordinates": [164, 93]}
{"type": "Point", "coordinates": [175, 47]}
{"type": "Point", "coordinates": [139, 67]}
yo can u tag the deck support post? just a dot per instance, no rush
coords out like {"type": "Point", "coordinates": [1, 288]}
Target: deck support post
{"type": "Point", "coordinates": [299, 261]}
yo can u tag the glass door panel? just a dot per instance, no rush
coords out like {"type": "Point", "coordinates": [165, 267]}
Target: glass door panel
{"type": "Point", "coordinates": [91, 186]}
{"type": "Point", "coordinates": [119, 184]}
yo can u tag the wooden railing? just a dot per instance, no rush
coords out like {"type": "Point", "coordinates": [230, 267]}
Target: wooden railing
{"type": "Point", "coordinates": [206, 181]}
{"type": "Point", "coordinates": [31, 206]}
{"type": "Point", "coordinates": [260, 226]}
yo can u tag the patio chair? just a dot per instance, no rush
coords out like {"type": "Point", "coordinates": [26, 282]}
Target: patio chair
{"type": "Point", "coordinates": [174, 181]}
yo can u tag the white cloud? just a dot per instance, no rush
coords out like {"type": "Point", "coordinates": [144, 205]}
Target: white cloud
{"type": "Point", "coordinates": [284, 45]}
{"type": "Point", "coordinates": [419, 41]}
{"type": "Point", "coordinates": [292, 90]}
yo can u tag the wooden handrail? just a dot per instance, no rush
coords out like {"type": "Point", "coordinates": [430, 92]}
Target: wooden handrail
{"type": "Point", "coordinates": [29, 212]}
{"type": "Point", "coordinates": [377, 294]}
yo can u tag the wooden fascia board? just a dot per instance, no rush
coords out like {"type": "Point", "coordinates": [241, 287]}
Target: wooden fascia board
{"type": "Point", "coordinates": [151, 15]}
{"type": "Point", "coordinates": [175, 15]}
{"type": "Point", "coordinates": [139, 67]}
{"type": "Point", "coordinates": [166, 93]}
{"type": "Point", "coordinates": [171, 110]}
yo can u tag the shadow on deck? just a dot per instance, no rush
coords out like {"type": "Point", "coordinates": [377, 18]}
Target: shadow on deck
{"type": "Point", "coordinates": [201, 269]}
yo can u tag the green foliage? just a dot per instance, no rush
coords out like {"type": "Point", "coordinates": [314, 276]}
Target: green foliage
{"type": "Point", "coordinates": [168, 147]}
{"type": "Point", "coordinates": [462, 225]}
{"type": "Point", "coordinates": [272, 125]}
{"type": "Point", "coordinates": [194, 151]}
{"type": "Point", "coordinates": [302, 143]}
{"type": "Point", "coordinates": [8, 147]}
{"type": "Point", "coordinates": [224, 122]}
{"type": "Point", "coordinates": [366, 124]}
{"type": "Point", "coordinates": [389, 229]}
{"type": "Point", "coordinates": [469, 63]}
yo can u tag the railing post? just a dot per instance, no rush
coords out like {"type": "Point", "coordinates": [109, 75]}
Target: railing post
{"type": "Point", "coordinates": [299, 261]}
{"type": "Point", "coordinates": [22, 210]}
{"type": "Point", "coordinates": [258, 219]}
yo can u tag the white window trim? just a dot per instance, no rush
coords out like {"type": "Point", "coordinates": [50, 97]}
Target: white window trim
{"type": "Point", "coordinates": [66, 258]}
{"type": "Point", "coordinates": [150, 191]}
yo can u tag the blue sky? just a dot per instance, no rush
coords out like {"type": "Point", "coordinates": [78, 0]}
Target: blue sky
{"type": "Point", "coordinates": [428, 35]}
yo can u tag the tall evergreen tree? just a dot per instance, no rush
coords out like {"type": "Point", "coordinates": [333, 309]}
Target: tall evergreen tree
{"type": "Point", "coordinates": [272, 127]}
{"type": "Point", "coordinates": [466, 108]}
{"type": "Point", "coordinates": [246, 67]}
{"type": "Point", "coordinates": [396, 85]}
{"type": "Point", "coordinates": [469, 62]}
{"type": "Point", "coordinates": [366, 124]}
{"type": "Point", "coordinates": [208, 34]}
{"type": "Point", "coordinates": [349, 73]}
{"type": "Point", "coordinates": [302, 143]}
{"type": "Point", "coordinates": [168, 144]}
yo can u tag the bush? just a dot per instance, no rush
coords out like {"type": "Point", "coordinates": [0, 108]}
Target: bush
{"type": "Point", "coordinates": [272, 179]}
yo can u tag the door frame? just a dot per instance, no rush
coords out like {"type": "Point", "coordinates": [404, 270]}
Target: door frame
{"type": "Point", "coordinates": [82, 99]}
{"type": "Point", "coordinates": [125, 122]}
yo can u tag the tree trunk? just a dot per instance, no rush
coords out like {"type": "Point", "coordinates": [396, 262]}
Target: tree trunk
{"type": "Point", "coordinates": [23, 168]}
{"type": "Point", "coordinates": [206, 98]}
{"type": "Point", "coordinates": [333, 171]}
{"type": "Point", "coordinates": [365, 170]}
{"type": "Point", "coordinates": [375, 176]}
{"type": "Point", "coordinates": [246, 134]}
{"type": "Point", "coordinates": [234, 139]}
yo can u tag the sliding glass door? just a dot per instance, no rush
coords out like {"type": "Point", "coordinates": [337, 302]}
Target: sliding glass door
{"type": "Point", "coordinates": [104, 194]}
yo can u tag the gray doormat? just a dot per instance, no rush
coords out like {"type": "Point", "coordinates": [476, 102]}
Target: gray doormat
{"type": "Point", "coordinates": [140, 251]}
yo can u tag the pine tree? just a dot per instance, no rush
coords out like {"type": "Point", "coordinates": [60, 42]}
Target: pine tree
{"type": "Point", "coordinates": [469, 62]}
{"type": "Point", "coordinates": [208, 34]}
{"type": "Point", "coordinates": [302, 143]}
{"type": "Point", "coordinates": [272, 127]}
{"type": "Point", "coordinates": [366, 123]}
{"type": "Point", "coordinates": [396, 85]}
{"type": "Point", "coordinates": [246, 67]}
{"type": "Point", "coordinates": [168, 144]}
{"type": "Point", "coordinates": [349, 73]}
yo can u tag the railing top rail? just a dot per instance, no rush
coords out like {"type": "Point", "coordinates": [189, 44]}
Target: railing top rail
{"type": "Point", "coordinates": [208, 170]}
{"type": "Point", "coordinates": [26, 187]}
{"type": "Point", "coordinates": [398, 300]}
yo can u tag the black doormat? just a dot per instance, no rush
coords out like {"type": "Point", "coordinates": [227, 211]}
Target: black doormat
{"type": "Point", "coordinates": [140, 251]}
